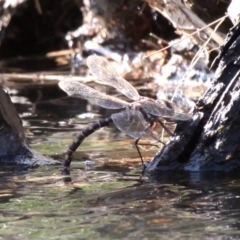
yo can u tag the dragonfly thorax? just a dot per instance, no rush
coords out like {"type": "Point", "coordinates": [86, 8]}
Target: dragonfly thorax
{"type": "Point", "coordinates": [148, 116]}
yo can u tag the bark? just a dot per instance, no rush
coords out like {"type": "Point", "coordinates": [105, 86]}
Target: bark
{"type": "Point", "coordinates": [13, 144]}
{"type": "Point", "coordinates": [211, 141]}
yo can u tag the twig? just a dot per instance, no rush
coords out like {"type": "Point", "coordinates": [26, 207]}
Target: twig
{"type": "Point", "coordinates": [42, 76]}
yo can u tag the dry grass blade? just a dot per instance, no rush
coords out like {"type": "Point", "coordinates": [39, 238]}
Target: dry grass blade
{"type": "Point", "coordinates": [45, 77]}
{"type": "Point", "coordinates": [186, 21]}
{"type": "Point", "coordinates": [197, 56]}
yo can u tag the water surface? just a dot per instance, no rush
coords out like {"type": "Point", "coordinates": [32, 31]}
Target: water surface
{"type": "Point", "coordinates": [105, 196]}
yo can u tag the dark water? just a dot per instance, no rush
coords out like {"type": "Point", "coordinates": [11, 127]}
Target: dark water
{"type": "Point", "coordinates": [106, 197]}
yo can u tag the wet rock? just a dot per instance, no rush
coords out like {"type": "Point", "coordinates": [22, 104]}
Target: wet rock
{"type": "Point", "coordinates": [14, 148]}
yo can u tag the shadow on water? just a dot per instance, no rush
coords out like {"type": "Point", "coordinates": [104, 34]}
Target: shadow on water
{"type": "Point", "coordinates": [105, 197]}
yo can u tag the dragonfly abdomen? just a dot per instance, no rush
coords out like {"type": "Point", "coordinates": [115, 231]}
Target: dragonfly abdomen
{"type": "Point", "coordinates": [82, 135]}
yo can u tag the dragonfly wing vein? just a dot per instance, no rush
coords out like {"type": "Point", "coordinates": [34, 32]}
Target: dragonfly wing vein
{"type": "Point", "coordinates": [79, 90]}
{"type": "Point", "coordinates": [133, 124]}
{"type": "Point", "coordinates": [164, 109]}
{"type": "Point", "coordinates": [103, 70]}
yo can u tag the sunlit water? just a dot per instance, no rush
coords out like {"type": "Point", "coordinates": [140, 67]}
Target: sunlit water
{"type": "Point", "coordinates": [105, 196]}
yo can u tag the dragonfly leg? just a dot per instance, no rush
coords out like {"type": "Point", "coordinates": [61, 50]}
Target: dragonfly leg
{"type": "Point", "coordinates": [144, 144]}
{"type": "Point", "coordinates": [136, 145]}
{"type": "Point", "coordinates": [140, 155]}
{"type": "Point", "coordinates": [150, 144]}
{"type": "Point", "coordinates": [153, 125]}
{"type": "Point", "coordinates": [165, 127]}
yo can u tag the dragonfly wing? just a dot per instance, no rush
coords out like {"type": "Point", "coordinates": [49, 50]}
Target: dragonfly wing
{"type": "Point", "coordinates": [79, 90]}
{"type": "Point", "coordinates": [165, 109]}
{"type": "Point", "coordinates": [103, 70]}
{"type": "Point", "coordinates": [133, 123]}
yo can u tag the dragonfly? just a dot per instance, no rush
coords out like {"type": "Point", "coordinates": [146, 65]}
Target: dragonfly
{"type": "Point", "coordinates": [137, 118]}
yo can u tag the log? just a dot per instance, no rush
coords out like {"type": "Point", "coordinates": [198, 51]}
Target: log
{"type": "Point", "coordinates": [14, 148]}
{"type": "Point", "coordinates": [211, 140]}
